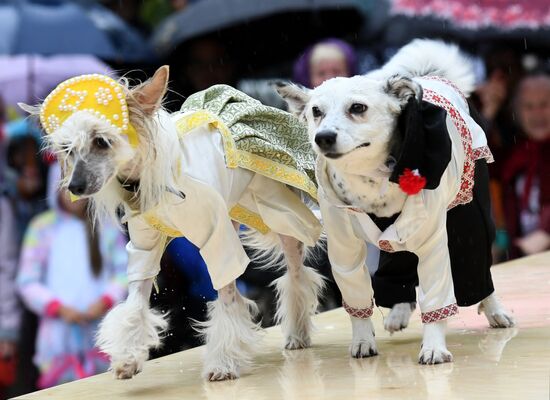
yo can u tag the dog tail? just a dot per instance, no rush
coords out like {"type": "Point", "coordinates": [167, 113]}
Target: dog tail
{"type": "Point", "coordinates": [423, 57]}
{"type": "Point", "coordinates": [264, 249]}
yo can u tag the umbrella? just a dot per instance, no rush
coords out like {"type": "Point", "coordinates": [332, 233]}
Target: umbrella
{"type": "Point", "coordinates": [260, 27]}
{"type": "Point", "coordinates": [473, 20]}
{"type": "Point", "coordinates": [68, 28]}
{"type": "Point", "coordinates": [30, 78]}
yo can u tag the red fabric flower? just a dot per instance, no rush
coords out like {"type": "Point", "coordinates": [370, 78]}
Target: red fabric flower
{"type": "Point", "coordinates": [411, 182]}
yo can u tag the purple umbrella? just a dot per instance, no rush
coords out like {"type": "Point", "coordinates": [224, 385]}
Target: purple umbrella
{"type": "Point", "coordinates": [30, 78]}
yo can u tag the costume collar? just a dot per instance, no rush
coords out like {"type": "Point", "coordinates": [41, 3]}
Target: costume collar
{"type": "Point", "coordinates": [410, 220]}
{"type": "Point", "coordinates": [96, 94]}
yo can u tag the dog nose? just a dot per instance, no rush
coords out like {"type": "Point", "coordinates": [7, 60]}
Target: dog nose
{"type": "Point", "coordinates": [325, 139]}
{"type": "Point", "coordinates": [77, 187]}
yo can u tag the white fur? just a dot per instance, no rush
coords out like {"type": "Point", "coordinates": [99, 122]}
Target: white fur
{"type": "Point", "coordinates": [495, 313]}
{"type": "Point", "coordinates": [424, 57]}
{"type": "Point", "coordinates": [358, 157]}
{"type": "Point", "coordinates": [297, 296]}
{"type": "Point", "coordinates": [399, 316]}
{"type": "Point", "coordinates": [230, 335]}
{"type": "Point", "coordinates": [434, 349]}
{"type": "Point", "coordinates": [363, 343]}
{"type": "Point", "coordinates": [266, 249]}
{"type": "Point", "coordinates": [129, 330]}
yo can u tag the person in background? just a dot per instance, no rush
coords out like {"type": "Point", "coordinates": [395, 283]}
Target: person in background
{"type": "Point", "coordinates": [198, 64]}
{"type": "Point", "coordinates": [70, 274]}
{"type": "Point", "coordinates": [329, 58]}
{"type": "Point", "coordinates": [493, 98]}
{"type": "Point", "coordinates": [9, 304]}
{"type": "Point", "coordinates": [526, 173]}
{"type": "Point", "coordinates": [23, 187]}
{"type": "Point", "coordinates": [3, 121]}
{"type": "Point", "coordinates": [25, 180]}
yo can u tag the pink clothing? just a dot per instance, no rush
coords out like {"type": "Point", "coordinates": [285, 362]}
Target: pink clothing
{"type": "Point", "coordinates": [55, 270]}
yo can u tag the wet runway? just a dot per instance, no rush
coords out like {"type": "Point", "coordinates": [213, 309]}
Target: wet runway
{"type": "Point", "coordinates": [488, 363]}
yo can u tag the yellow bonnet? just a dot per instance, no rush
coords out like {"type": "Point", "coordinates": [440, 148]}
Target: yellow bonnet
{"type": "Point", "coordinates": [97, 94]}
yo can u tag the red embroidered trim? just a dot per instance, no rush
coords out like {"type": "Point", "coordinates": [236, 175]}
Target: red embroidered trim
{"type": "Point", "coordinates": [439, 314]}
{"type": "Point", "coordinates": [484, 152]}
{"type": "Point", "coordinates": [362, 313]}
{"type": "Point", "coordinates": [386, 246]}
{"type": "Point", "coordinates": [447, 82]}
{"type": "Point", "coordinates": [464, 194]}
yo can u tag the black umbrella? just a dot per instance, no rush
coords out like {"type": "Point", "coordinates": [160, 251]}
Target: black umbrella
{"type": "Point", "coordinates": [261, 30]}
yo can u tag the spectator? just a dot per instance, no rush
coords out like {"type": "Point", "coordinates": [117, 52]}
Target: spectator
{"type": "Point", "coordinates": [198, 64]}
{"type": "Point", "coordinates": [3, 140]}
{"type": "Point", "coordinates": [526, 173]}
{"type": "Point", "coordinates": [493, 99]}
{"type": "Point", "coordinates": [25, 179]}
{"type": "Point", "coordinates": [327, 59]}
{"type": "Point", "coordinates": [70, 275]}
{"type": "Point", "coordinates": [23, 184]}
{"type": "Point", "coordinates": [9, 306]}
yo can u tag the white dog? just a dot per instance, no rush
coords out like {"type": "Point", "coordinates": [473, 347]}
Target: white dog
{"type": "Point", "coordinates": [397, 151]}
{"type": "Point", "coordinates": [181, 175]}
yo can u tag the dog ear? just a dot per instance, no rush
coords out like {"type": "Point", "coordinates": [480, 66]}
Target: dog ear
{"type": "Point", "coordinates": [403, 88]}
{"type": "Point", "coordinates": [149, 95]}
{"type": "Point", "coordinates": [295, 96]}
{"type": "Point", "coordinates": [32, 110]}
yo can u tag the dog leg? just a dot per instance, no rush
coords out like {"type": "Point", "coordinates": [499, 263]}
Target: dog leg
{"type": "Point", "coordinates": [230, 334]}
{"type": "Point", "coordinates": [495, 313]}
{"type": "Point", "coordinates": [398, 318]}
{"type": "Point", "coordinates": [297, 296]}
{"type": "Point", "coordinates": [130, 329]}
{"type": "Point", "coordinates": [363, 343]}
{"type": "Point", "coordinates": [434, 349]}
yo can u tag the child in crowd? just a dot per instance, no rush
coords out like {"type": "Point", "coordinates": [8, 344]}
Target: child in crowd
{"type": "Point", "coordinates": [70, 274]}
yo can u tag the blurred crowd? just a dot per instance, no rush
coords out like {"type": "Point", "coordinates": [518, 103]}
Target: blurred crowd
{"type": "Point", "coordinates": [59, 273]}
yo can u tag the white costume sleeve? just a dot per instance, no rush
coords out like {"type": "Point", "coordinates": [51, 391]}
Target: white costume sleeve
{"type": "Point", "coordinates": [144, 250]}
{"type": "Point", "coordinates": [204, 220]}
{"type": "Point", "coordinates": [347, 254]}
{"type": "Point", "coordinates": [429, 243]}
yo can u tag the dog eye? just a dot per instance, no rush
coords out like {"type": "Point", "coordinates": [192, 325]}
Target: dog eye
{"type": "Point", "coordinates": [316, 112]}
{"type": "Point", "coordinates": [101, 143]}
{"type": "Point", "coordinates": [357, 108]}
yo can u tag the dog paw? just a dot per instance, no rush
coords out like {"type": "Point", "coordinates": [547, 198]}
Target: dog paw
{"type": "Point", "coordinates": [398, 318]}
{"type": "Point", "coordinates": [431, 356]}
{"type": "Point", "coordinates": [221, 374]}
{"type": "Point", "coordinates": [363, 349]}
{"type": "Point", "coordinates": [500, 320]}
{"type": "Point", "coordinates": [126, 370]}
{"type": "Point", "coordinates": [363, 343]}
{"type": "Point", "coordinates": [297, 343]}
{"type": "Point", "coordinates": [496, 315]}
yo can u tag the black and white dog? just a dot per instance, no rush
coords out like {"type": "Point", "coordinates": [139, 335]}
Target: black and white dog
{"type": "Point", "coordinates": [402, 165]}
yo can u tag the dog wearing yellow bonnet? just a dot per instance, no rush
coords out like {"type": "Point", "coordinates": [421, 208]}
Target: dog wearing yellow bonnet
{"type": "Point", "coordinates": [223, 161]}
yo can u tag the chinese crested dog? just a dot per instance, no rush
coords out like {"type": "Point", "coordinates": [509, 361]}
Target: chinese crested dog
{"type": "Point", "coordinates": [223, 161]}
